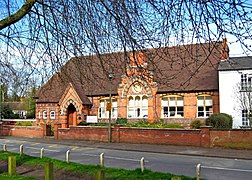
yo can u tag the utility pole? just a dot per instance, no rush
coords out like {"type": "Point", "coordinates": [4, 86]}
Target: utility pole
{"type": "Point", "coordinates": [109, 107]}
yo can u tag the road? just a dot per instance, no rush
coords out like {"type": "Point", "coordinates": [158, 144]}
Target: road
{"type": "Point", "coordinates": [212, 168]}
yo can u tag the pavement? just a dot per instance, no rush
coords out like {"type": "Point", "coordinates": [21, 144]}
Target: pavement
{"type": "Point", "coordinates": [153, 148]}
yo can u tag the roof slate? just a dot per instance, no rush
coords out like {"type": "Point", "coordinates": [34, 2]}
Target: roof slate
{"type": "Point", "coordinates": [236, 63]}
{"type": "Point", "coordinates": [180, 68]}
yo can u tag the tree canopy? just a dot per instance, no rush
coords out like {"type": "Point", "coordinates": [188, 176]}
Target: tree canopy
{"type": "Point", "coordinates": [38, 36]}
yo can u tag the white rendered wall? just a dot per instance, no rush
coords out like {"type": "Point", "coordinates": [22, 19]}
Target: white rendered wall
{"type": "Point", "coordinates": [229, 82]}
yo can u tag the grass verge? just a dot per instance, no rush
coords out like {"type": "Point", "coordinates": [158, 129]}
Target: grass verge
{"type": "Point", "coordinates": [110, 173]}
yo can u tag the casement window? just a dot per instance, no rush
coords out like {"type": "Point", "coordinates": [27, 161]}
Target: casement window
{"type": "Point", "coordinates": [138, 106]}
{"type": "Point", "coordinates": [246, 117]}
{"type": "Point", "coordinates": [103, 113]}
{"type": "Point", "coordinates": [52, 114]}
{"type": "Point", "coordinates": [205, 106]}
{"type": "Point", "coordinates": [246, 84]}
{"type": "Point", "coordinates": [44, 115]}
{"type": "Point", "coordinates": [172, 106]}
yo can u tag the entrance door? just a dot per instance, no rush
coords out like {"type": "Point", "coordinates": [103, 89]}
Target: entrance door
{"type": "Point", "coordinates": [71, 115]}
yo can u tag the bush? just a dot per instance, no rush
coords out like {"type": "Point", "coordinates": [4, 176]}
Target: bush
{"type": "Point", "coordinates": [220, 120]}
{"type": "Point", "coordinates": [121, 121]}
{"type": "Point", "coordinates": [195, 124]}
{"type": "Point", "coordinates": [23, 123]}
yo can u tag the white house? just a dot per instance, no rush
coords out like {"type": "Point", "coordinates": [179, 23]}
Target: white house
{"type": "Point", "coordinates": [235, 88]}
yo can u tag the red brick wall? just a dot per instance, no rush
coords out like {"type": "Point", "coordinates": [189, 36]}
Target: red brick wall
{"type": "Point", "coordinates": [84, 133]}
{"type": "Point", "coordinates": [236, 138]}
{"type": "Point", "coordinates": [23, 131]}
{"type": "Point", "coordinates": [135, 135]}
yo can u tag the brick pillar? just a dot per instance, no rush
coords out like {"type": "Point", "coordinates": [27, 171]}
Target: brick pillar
{"type": "Point", "coordinates": [56, 132]}
{"type": "Point", "coordinates": [205, 136]}
{"type": "Point", "coordinates": [116, 134]}
{"type": "Point", "coordinates": [1, 128]}
{"type": "Point", "coordinates": [44, 129]}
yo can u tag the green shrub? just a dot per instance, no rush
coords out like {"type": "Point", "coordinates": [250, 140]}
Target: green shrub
{"type": "Point", "coordinates": [23, 123]}
{"type": "Point", "coordinates": [220, 120]}
{"type": "Point", "coordinates": [82, 123]}
{"type": "Point", "coordinates": [195, 124]}
{"type": "Point", "coordinates": [121, 121]}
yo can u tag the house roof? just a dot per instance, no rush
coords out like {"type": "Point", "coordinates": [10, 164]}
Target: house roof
{"type": "Point", "coordinates": [180, 68]}
{"type": "Point", "coordinates": [236, 63]}
{"type": "Point", "coordinates": [18, 106]}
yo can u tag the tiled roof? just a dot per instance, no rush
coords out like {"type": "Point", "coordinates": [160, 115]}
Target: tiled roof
{"type": "Point", "coordinates": [180, 68]}
{"type": "Point", "coordinates": [15, 105]}
{"type": "Point", "coordinates": [236, 63]}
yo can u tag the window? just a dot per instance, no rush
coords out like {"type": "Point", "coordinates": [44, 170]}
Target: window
{"type": "Point", "coordinates": [103, 113]}
{"type": "Point", "coordinates": [173, 106]}
{"type": "Point", "coordinates": [246, 117]}
{"type": "Point", "coordinates": [39, 116]}
{"type": "Point", "coordinates": [138, 106]}
{"type": "Point", "coordinates": [246, 82]}
{"type": "Point", "coordinates": [52, 115]}
{"type": "Point", "coordinates": [44, 115]}
{"type": "Point", "coordinates": [205, 106]}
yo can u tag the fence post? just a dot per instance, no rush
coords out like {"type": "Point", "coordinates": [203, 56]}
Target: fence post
{"type": "Point", "coordinates": [11, 165]}
{"type": "Point", "coordinates": [41, 153]}
{"type": "Point", "coordinates": [142, 164]}
{"type": "Point", "coordinates": [67, 156]}
{"type": "Point", "coordinates": [21, 149]}
{"type": "Point", "coordinates": [48, 171]}
{"type": "Point", "coordinates": [4, 147]}
{"type": "Point", "coordinates": [102, 159]}
{"type": "Point", "coordinates": [198, 172]}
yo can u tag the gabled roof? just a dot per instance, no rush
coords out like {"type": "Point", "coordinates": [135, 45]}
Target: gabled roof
{"type": "Point", "coordinates": [180, 68]}
{"type": "Point", "coordinates": [18, 106]}
{"type": "Point", "coordinates": [236, 63]}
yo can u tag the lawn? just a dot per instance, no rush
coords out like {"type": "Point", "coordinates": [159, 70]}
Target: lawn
{"type": "Point", "coordinates": [71, 169]}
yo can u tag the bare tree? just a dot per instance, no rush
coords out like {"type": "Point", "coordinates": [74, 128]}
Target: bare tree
{"type": "Point", "coordinates": [39, 36]}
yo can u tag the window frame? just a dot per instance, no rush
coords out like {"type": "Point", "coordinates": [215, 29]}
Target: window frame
{"type": "Point", "coordinates": [205, 112]}
{"type": "Point", "coordinates": [246, 117]}
{"type": "Point", "coordinates": [246, 82]}
{"type": "Point", "coordinates": [44, 115]}
{"type": "Point", "coordinates": [138, 108]}
{"type": "Point", "coordinates": [103, 113]}
{"type": "Point", "coordinates": [168, 106]}
{"type": "Point", "coordinates": [52, 117]}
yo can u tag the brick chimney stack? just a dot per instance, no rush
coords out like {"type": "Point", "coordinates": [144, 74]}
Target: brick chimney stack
{"type": "Point", "coordinates": [224, 50]}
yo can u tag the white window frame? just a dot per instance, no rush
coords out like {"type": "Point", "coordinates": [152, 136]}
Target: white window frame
{"type": "Point", "coordinates": [44, 114]}
{"type": "Point", "coordinates": [246, 117]}
{"type": "Point", "coordinates": [52, 114]}
{"type": "Point", "coordinates": [168, 104]}
{"type": "Point", "coordinates": [39, 115]}
{"type": "Point", "coordinates": [246, 82]}
{"type": "Point", "coordinates": [103, 113]}
{"type": "Point", "coordinates": [137, 106]}
{"type": "Point", "coordinates": [206, 113]}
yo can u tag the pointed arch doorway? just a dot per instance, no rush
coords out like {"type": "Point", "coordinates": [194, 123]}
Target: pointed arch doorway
{"type": "Point", "coordinates": [71, 115]}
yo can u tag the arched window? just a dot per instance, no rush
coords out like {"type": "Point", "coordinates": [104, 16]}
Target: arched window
{"type": "Point", "coordinates": [205, 106]}
{"type": "Point", "coordinates": [103, 113]}
{"type": "Point", "coordinates": [52, 114]}
{"type": "Point", "coordinates": [138, 106]}
{"type": "Point", "coordinates": [173, 106]}
{"type": "Point", "coordinates": [44, 115]}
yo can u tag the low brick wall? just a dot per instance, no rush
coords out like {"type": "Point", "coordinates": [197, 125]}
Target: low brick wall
{"type": "Point", "coordinates": [83, 133]}
{"type": "Point", "coordinates": [235, 138]}
{"type": "Point", "coordinates": [22, 131]}
{"type": "Point", "coordinates": [136, 135]}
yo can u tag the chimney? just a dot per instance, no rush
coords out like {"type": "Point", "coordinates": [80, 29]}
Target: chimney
{"type": "Point", "coordinates": [137, 59]}
{"type": "Point", "coordinates": [224, 50]}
